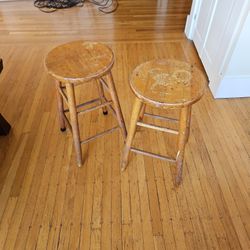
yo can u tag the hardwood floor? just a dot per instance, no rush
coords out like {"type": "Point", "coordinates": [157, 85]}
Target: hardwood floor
{"type": "Point", "coordinates": [47, 202]}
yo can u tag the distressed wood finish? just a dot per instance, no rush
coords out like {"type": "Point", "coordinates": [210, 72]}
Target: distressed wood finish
{"type": "Point", "coordinates": [76, 63]}
{"type": "Point", "coordinates": [48, 203]}
{"type": "Point", "coordinates": [168, 83]}
{"type": "Point", "coordinates": [165, 84]}
{"type": "Point", "coordinates": [79, 61]}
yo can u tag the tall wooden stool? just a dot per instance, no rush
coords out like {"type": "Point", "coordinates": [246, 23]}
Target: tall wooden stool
{"type": "Point", "coordinates": [77, 63]}
{"type": "Point", "coordinates": [167, 84]}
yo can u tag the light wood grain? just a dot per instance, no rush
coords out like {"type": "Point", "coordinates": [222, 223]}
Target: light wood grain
{"type": "Point", "coordinates": [47, 203]}
{"type": "Point", "coordinates": [79, 61]}
{"type": "Point", "coordinates": [168, 83]}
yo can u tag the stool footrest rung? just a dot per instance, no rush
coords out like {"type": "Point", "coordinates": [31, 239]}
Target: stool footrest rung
{"type": "Point", "coordinates": [99, 135]}
{"type": "Point", "coordinates": [159, 128]}
{"type": "Point", "coordinates": [85, 104]}
{"type": "Point", "coordinates": [161, 157]}
{"type": "Point", "coordinates": [161, 117]}
{"type": "Point", "coordinates": [106, 103]}
{"type": "Point", "coordinates": [95, 107]}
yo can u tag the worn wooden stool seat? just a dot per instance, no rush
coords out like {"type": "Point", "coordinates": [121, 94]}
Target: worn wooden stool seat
{"type": "Point", "coordinates": [164, 84]}
{"type": "Point", "coordinates": [77, 63]}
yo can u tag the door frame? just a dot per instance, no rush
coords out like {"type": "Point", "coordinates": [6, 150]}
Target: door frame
{"type": "Point", "coordinates": [192, 18]}
{"type": "Point", "coordinates": [215, 79]}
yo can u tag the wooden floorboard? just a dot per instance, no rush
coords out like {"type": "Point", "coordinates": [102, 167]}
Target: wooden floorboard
{"type": "Point", "coordinates": [47, 202]}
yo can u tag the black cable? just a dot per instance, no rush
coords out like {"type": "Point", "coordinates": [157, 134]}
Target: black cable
{"type": "Point", "coordinates": [48, 6]}
{"type": "Point", "coordinates": [109, 8]}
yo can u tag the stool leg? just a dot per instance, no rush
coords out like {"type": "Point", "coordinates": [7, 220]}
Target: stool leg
{"type": "Point", "coordinates": [188, 122]}
{"type": "Point", "coordinates": [132, 129]}
{"type": "Point", "coordinates": [60, 107]}
{"type": "Point", "coordinates": [117, 106]}
{"type": "Point", "coordinates": [141, 115]}
{"type": "Point", "coordinates": [142, 111]}
{"type": "Point", "coordinates": [101, 95]}
{"type": "Point", "coordinates": [181, 142]}
{"type": "Point", "coordinates": [74, 122]}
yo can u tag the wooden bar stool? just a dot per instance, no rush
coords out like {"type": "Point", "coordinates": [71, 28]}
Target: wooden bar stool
{"type": "Point", "coordinates": [167, 84]}
{"type": "Point", "coordinates": [77, 63]}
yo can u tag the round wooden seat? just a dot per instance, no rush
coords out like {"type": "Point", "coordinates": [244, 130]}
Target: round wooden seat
{"type": "Point", "coordinates": [168, 83]}
{"type": "Point", "coordinates": [79, 61]}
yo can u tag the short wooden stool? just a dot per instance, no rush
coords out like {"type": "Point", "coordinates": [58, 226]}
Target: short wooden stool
{"type": "Point", "coordinates": [77, 63]}
{"type": "Point", "coordinates": [164, 84]}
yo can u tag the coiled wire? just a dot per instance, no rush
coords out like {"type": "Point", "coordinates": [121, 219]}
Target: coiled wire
{"type": "Point", "coordinates": [48, 6]}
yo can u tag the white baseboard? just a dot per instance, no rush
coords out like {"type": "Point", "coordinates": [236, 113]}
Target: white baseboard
{"type": "Point", "coordinates": [232, 87]}
{"type": "Point", "coordinates": [189, 28]}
